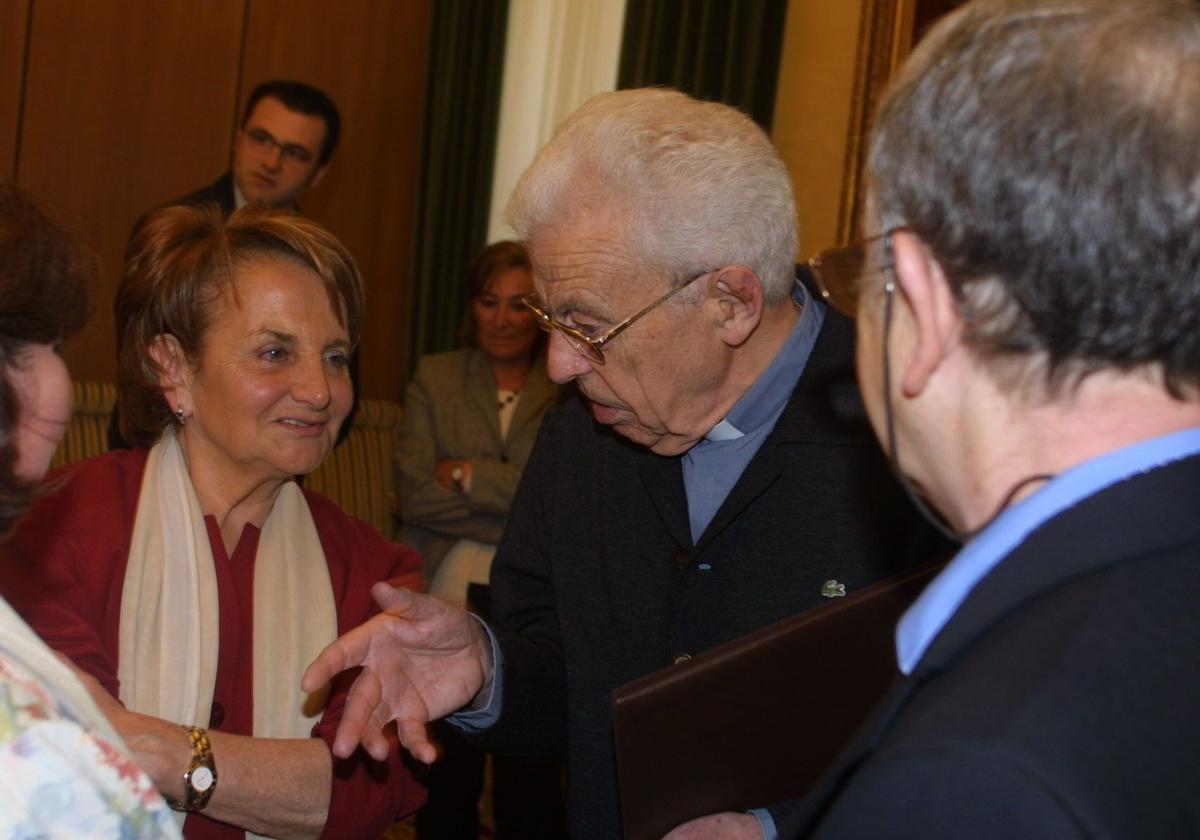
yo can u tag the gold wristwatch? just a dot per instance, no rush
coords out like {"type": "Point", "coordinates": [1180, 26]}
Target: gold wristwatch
{"type": "Point", "coordinates": [200, 778]}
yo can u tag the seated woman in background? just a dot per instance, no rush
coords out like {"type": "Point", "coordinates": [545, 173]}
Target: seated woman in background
{"type": "Point", "coordinates": [193, 579]}
{"type": "Point", "coordinates": [63, 769]}
{"type": "Point", "coordinates": [470, 420]}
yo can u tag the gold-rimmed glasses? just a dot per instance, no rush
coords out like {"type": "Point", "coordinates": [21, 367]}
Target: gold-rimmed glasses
{"type": "Point", "coordinates": [839, 271]}
{"type": "Point", "coordinates": [591, 347]}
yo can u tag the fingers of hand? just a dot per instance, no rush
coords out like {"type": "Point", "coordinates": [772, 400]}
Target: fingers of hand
{"type": "Point", "coordinates": [415, 738]}
{"type": "Point", "coordinates": [390, 597]}
{"type": "Point", "coordinates": [724, 826]}
{"type": "Point", "coordinates": [376, 743]}
{"type": "Point", "coordinates": [347, 651]}
{"type": "Point", "coordinates": [361, 707]}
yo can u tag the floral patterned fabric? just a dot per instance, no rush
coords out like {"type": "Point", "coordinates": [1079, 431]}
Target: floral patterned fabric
{"type": "Point", "coordinates": [60, 779]}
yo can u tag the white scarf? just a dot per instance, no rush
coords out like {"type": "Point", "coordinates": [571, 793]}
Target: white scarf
{"type": "Point", "coordinates": [170, 608]}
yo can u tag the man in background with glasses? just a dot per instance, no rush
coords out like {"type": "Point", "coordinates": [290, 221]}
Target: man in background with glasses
{"type": "Point", "coordinates": [712, 472]}
{"type": "Point", "coordinates": [284, 146]}
{"type": "Point", "coordinates": [1029, 352]}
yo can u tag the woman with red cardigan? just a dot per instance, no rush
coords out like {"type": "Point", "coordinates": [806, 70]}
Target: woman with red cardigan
{"type": "Point", "coordinates": [192, 580]}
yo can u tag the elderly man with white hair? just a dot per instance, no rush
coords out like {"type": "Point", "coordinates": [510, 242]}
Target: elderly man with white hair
{"type": "Point", "coordinates": [712, 472]}
{"type": "Point", "coordinates": [1029, 352]}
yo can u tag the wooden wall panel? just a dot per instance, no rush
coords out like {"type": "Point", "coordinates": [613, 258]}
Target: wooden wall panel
{"type": "Point", "coordinates": [812, 112]}
{"type": "Point", "coordinates": [127, 105]}
{"type": "Point", "coordinates": [14, 16]}
{"type": "Point", "coordinates": [369, 55]}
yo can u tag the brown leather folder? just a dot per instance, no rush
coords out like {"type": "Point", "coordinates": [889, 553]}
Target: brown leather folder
{"type": "Point", "coordinates": [757, 720]}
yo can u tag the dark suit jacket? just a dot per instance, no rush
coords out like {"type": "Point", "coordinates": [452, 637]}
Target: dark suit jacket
{"type": "Point", "coordinates": [597, 580]}
{"type": "Point", "coordinates": [219, 191]}
{"type": "Point", "coordinates": [1060, 701]}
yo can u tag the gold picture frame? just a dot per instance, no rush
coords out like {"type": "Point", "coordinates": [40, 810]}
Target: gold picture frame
{"type": "Point", "coordinates": [884, 39]}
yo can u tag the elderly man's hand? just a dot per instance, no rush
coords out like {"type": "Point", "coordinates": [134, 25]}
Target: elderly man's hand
{"type": "Point", "coordinates": [723, 826]}
{"type": "Point", "coordinates": [422, 659]}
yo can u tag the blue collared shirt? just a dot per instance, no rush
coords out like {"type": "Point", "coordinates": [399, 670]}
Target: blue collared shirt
{"type": "Point", "coordinates": [945, 594]}
{"type": "Point", "coordinates": [713, 466]}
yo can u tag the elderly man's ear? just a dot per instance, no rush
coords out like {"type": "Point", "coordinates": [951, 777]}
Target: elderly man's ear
{"type": "Point", "coordinates": [925, 302]}
{"type": "Point", "coordinates": [738, 295]}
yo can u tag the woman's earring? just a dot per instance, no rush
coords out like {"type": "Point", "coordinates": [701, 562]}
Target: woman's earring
{"type": "Point", "coordinates": [180, 416]}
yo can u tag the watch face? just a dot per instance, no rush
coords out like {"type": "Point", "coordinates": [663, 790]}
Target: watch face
{"type": "Point", "coordinates": [202, 779]}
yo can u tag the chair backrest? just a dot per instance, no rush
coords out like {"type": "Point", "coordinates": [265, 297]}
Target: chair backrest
{"type": "Point", "coordinates": [87, 433]}
{"type": "Point", "coordinates": [359, 475]}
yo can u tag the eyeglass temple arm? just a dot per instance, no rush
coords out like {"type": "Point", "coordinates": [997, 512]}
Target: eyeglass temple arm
{"type": "Point", "coordinates": [619, 328]}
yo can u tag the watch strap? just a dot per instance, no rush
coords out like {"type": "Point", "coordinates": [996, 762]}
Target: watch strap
{"type": "Point", "coordinates": [202, 768]}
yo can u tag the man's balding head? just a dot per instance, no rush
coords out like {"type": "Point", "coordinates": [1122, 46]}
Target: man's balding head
{"type": "Point", "coordinates": [1048, 153]}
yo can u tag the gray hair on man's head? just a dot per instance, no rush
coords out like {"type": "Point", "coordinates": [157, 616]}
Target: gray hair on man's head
{"type": "Point", "coordinates": [695, 185]}
{"type": "Point", "coordinates": [1048, 153]}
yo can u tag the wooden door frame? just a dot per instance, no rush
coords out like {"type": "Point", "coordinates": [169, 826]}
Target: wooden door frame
{"type": "Point", "coordinates": [884, 40]}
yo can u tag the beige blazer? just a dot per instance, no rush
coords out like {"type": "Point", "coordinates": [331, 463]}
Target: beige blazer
{"type": "Point", "coordinates": [450, 411]}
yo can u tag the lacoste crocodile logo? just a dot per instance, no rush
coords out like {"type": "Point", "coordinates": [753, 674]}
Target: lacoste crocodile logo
{"type": "Point", "coordinates": [833, 589]}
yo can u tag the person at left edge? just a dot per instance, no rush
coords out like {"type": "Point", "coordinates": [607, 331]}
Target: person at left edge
{"type": "Point", "coordinates": [192, 580]}
{"type": "Point", "coordinates": [283, 147]}
{"type": "Point", "coordinates": [64, 772]}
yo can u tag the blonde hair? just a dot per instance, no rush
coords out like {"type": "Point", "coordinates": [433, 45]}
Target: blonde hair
{"type": "Point", "coordinates": [181, 260]}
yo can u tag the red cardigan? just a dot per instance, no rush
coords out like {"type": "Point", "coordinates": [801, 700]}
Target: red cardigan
{"type": "Point", "coordinates": [63, 569]}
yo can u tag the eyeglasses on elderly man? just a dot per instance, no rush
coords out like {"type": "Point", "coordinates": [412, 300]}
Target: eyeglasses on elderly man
{"type": "Point", "coordinates": [591, 347]}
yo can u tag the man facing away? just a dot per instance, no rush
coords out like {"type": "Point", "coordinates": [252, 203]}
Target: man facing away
{"type": "Point", "coordinates": [713, 471]}
{"type": "Point", "coordinates": [1029, 352]}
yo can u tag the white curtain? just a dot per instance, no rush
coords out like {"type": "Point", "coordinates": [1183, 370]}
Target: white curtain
{"type": "Point", "coordinates": [558, 54]}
